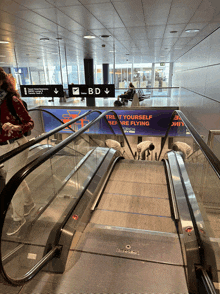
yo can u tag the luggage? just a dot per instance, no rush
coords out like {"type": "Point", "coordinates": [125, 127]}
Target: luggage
{"type": "Point", "coordinates": [117, 103]}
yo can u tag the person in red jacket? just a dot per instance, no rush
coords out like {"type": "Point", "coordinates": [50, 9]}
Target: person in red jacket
{"type": "Point", "coordinates": [11, 136]}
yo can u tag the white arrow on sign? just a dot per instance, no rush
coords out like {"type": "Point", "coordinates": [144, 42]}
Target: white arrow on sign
{"type": "Point", "coordinates": [56, 91]}
{"type": "Point", "coordinates": [107, 91]}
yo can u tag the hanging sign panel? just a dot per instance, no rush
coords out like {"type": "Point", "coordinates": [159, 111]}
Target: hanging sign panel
{"type": "Point", "coordinates": [42, 91]}
{"type": "Point", "coordinates": [107, 90]}
{"type": "Point", "coordinates": [134, 122]}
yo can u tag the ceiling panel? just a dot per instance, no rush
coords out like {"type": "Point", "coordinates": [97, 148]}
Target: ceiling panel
{"type": "Point", "coordinates": [133, 9]}
{"type": "Point", "coordinates": [155, 32]}
{"type": "Point", "coordinates": [179, 15]}
{"type": "Point", "coordinates": [59, 3]}
{"type": "Point", "coordinates": [36, 19]}
{"type": "Point", "coordinates": [156, 12]}
{"type": "Point", "coordinates": [139, 33]}
{"type": "Point", "coordinates": [82, 16]}
{"type": "Point", "coordinates": [205, 12]}
{"type": "Point", "coordinates": [120, 33]}
{"type": "Point", "coordinates": [33, 4]}
{"type": "Point", "coordinates": [106, 14]}
{"type": "Point", "coordinates": [140, 27]}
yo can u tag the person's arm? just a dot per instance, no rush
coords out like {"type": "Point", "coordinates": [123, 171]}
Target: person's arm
{"type": "Point", "coordinates": [27, 123]}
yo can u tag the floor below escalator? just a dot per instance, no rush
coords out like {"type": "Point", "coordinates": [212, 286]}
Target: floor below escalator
{"type": "Point", "coordinates": [130, 244]}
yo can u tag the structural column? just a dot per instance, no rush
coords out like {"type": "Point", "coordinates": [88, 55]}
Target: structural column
{"type": "Point", "coordinates": [105, 71]}
{"type": "Point", "coordinates": [89, 79]}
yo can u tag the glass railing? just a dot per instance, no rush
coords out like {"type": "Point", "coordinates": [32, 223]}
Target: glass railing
{"type": "Point", "coordinates": [42, 195]}
{"type": "Point", "coordinates": [149, 92]}
{"type": "Point", "coordinates": [203, 168]}
{"type": "Point", "coordinates": [40, 144]}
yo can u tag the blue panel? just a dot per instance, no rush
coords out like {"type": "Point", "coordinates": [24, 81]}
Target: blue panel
{"type": "Point", "coordinates": [134, 122]}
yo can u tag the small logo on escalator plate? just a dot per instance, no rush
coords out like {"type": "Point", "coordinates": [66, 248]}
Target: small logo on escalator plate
{"type": "Point", "coordinates": [128, 250]}
{"type": "Point", "coordinates": [75, 217]}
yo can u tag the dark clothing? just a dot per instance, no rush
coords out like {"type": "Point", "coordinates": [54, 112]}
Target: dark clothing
{"type": "Point", "coordinates": [127, 95]}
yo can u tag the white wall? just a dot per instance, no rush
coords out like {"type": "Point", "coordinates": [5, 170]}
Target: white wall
{"type": "Point", "coordinates": [198, 74]}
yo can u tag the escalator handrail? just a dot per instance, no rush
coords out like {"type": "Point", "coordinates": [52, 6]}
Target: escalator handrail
{"type": "Point", "coordinates": [210, 156]}
{"type": "Point", "coordinates": [42, 137]}
{"type": "Point", "coordinates": [44, 110]}
{"type": "Point", "coordinates": [13, 184]}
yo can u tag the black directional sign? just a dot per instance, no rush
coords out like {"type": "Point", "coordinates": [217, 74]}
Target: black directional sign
{"type": "Point", "coordinates": [42, 91]}
{"type": "Point", "coordinates": [92, 91]}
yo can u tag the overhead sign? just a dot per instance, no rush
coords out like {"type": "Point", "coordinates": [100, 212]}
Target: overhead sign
{"type": "Point", "coordinates": [134, 122]}
{"type": "Point", "coordinates": [92, 91]}
{"type": "Point", "coordinates": [42, 91]}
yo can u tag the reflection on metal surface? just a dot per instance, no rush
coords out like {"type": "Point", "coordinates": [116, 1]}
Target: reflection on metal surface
{"type": "Point", "coordinates": [116, 228]}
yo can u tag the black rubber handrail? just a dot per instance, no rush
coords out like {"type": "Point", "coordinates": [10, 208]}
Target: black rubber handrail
{"type": "Point", "coordinates": [44, 110]}
{"type": "Point", "coordinates": [210, 156]}
{"type": "Point", "coordinates": [42, 137]}
{"type": "Point", "coordinates": [13, 184]}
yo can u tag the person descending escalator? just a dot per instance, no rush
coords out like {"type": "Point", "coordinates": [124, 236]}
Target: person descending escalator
{"type": "Point", "coordinates": [12, 136]}
{"type": "Point", "coordinates": [143, 147]}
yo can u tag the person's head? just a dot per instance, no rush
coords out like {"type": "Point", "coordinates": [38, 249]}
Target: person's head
{"type": "Point", "coordinates": [175, 148]}
{"type": "Point", "coordinates": [131, 85]}
{"type": "Point", "coordinates": [7, 82]}
{"type": "Point", "coordinates": [151, 146]}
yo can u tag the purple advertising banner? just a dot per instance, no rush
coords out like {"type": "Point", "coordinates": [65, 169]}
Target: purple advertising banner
{"type": "Point", "coordinates": [134, 122]}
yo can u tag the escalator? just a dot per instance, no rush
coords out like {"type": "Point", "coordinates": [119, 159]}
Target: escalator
{"type": "Point", "coordinates": [106, 224]}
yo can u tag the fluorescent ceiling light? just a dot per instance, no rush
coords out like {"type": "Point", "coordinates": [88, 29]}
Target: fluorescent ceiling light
{"type": "Point", "coordinates": [112, 51]}
{"type": "Point", "coordinates": [89, 37]}
{"type": "Point", "coordinates": [192, 31]}
{"type": "Point", "coordinates": [4, 42]}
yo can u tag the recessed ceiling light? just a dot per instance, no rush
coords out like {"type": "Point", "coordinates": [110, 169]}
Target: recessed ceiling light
{"type": "Point", "coordinates": [192, 31]}
{"type": "Point", "coordinates": [44, 39]}
{"type": "Point", "coordinates": [4, 42]}
{"type": "Point", "coordinates": [105, 36]}
{"type": "Point", "coordinates": [173, 32]}
{"type": "Point", "coordinates": [89, 37]}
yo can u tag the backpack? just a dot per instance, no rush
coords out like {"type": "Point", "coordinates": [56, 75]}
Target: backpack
{"type": "Point", "coordinates": [117, 103]}
{"type": "Point", "coordinates": [13, 112]}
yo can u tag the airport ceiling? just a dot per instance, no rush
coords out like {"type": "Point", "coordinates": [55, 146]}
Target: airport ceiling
{"type": "Point", "coordinates": [138, 30]}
